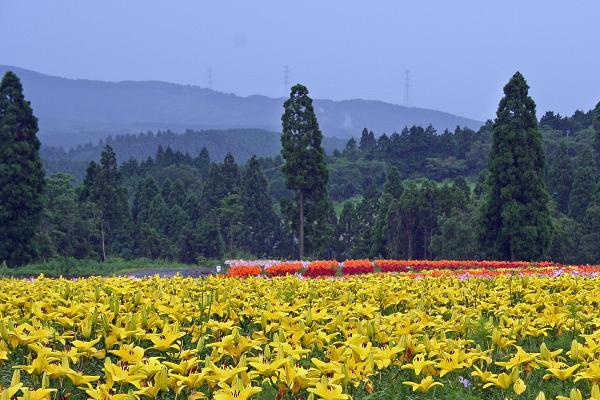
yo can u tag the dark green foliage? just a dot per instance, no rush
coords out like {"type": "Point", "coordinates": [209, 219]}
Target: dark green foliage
{"type": "Point", "coordinates": [345, 232]}
{"type": "Point", "coordinates": [566, 241]}
{"type": "Point", "coordinates": [560, 178]}
{"type": "Point", "coordinates": [68, 228]}
{"type": "Point", "coordinates": [596, 126]}
{"type": "Point", "coordinates": [368, 143]}
{"type": "Point", "coordinates": [209, 239]}
{"type": "Point", "coordinates": [21, 174]}
{"type": "Point", "coordinates": [230, 217]}
{"type": "Point", "coordinates": [366, 215]}
{"type": "Point", "coordinates": [104, 187]}
{"type": "Point", "coordinates": [392, 192]}
{"type": "Point", "coordinates": [590, 241]}
{"type": "Point", "coordinates": [146, 191]}
{"type": "Point", "coordinates": [516, 223]}
{"type": "Point", "coordinates": [584, 183]}
{"type": "Point", "coordinates": [456, 239]}
{"type": "Point", "coordinates": [259, 223]}
{"type": "Point", "coordinates": [305, 169]}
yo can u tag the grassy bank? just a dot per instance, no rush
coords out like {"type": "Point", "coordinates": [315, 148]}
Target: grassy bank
{"type": "Point", "coordinates": [70, 267]}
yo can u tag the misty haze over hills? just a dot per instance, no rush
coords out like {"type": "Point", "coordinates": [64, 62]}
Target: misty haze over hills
{"type": "Point", "coordinates": [77, 111]}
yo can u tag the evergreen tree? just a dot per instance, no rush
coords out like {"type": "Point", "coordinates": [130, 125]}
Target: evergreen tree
{"type": "Point", "coordinates": [146, 191]}
{"type": "Point", "coordinates": [351, 151]}
{"type": "Point", "coordinates": [560, 178]}
{"type": "Point", "coordinates": [368, 143]}
{"type": "Point", "coordinates": [230, 174]}
{"type": "Point", "coordinates": [366, 213]}
{"type": "Point", "coordinates": [202, 162]}
{"type": "Point", "coordinates": [345, 232]}
{"type": "Point", "coordinates": [230, 216]}
{"type": "Point", "coordinates": [391, 194]}
{"type": "Point", "coordinates": [304, 169]}
{"type": "Point", "coordinates": [590, 242]}
{"type": "Point", "coordinates": [259, 221]}
{"type": "Point", "coordinates": [596, 126]}
{"type": "Point", "coordinates": [68, 228]}
{"type": "Point", "coordinates": [104, 187]}
{"type": "Point", "coordinates": [584, 182]}
{"type": "Point", "coordinates": [177, 195]}
{"type": "Point", "coordinates": [21, 174]}
{"type": "Point", "coordinates": [516, 222]}
{"type": "Point", "coordinates": [210, 241]}
{"type": "Point", "coordinates": [456, 239]}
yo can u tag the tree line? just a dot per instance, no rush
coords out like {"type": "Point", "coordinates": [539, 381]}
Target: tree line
{"type": "Point", "coordinates": [512, 203]}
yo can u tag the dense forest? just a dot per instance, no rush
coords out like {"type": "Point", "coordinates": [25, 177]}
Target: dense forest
{"type": "Point", "coordinates": [413, 194]}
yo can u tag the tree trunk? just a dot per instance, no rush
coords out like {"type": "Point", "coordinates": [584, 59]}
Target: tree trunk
{"type": "Point", "coordinates": [410, 245]}
{"type": "Point", "coordinates": [103, 248]}
{"type": "Point", "coordinates": [301, 235]}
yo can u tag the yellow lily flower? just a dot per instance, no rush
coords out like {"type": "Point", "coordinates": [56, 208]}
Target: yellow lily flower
{"type": "Point", "coordinates": [521, 357]}
{"type": "Point", "coordinates": [424, 386]}
{"type": "Point", "coordinates": [419, 364]}
{"type": "Point", "coordinates": [115, 373]}
{"type": "Point", "coordinates": [165, 340]}
{"type": "Point", "coordinates": [560, 371]}
{"type": "Point", "coordinates": [129, 353]}
{"type": "Point", "coordinates": [574, 395]}
{"type": "Point", "coordinates": [39, 394]}
{"type": "Point", "coordinates": [237, 391]}
{"type": "Point", "coordinates": [328, 391]}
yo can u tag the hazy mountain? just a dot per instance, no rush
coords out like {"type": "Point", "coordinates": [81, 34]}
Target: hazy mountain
{"type": "Point", "coordinates": [77, 111]}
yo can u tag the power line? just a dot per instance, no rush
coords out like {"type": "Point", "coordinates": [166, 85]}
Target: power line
{"type": "Point", "coordinates": [407, 87]}
{"type": "Point", "coordinates": [209, 79]}
{"type": "Point", "coordinates": [286, 80]}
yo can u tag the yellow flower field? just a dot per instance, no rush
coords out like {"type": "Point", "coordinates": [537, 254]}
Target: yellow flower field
{"type": "Point", "coordinates": [379, 336]}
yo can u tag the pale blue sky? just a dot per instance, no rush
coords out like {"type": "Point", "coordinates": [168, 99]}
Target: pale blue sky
{"type": "Point", "coordinates": [460, 52]}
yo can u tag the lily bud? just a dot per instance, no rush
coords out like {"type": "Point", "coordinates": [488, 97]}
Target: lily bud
{"type": "Point", "coordinates": [4, 332]}
{"type": "Point", "coordinates": [45, 381]}
{"type": "Point", "coordinates": [16, 377]}
{"type": "Point", "coordinates": [200, 345]}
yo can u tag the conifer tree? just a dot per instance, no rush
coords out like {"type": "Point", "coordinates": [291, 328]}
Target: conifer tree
{"type": "Point", "coordinates": [230, 174]}
{"type": "Point", "coordinates": [366, 213]}
{"type": "Point", "coordinates": [391, 194]}
{"type": "Point", "coordinates": [305, 169]}
{"type": "Point", "coordinates": [584, 182]}
{"type": "Point", "coordinates": [146, 191]}
{"type": "Point", "coordinates": [21, 174]}
{"type": "Point", "coordinates": [368, 143]}
{"type": "Point", "coordinates": [103, 186]}
{"type": "Point", "coordinates": [596, 126]}
{"type": "Point", "coordinates": [345, 232]}
{"type": "Point", "coordinates": [516, 222]}
{"type": "Point", "coordinates": [259, 221]}
{"type": "Point", "coordinates": [560, 178]}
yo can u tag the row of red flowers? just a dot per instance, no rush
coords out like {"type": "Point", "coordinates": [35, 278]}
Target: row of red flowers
{"type": "Point", "coordinates": [355, 267]}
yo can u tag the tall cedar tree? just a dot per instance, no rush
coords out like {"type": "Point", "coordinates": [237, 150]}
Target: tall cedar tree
{"type": "Point", "coordinates": [596, 126]}
{"type": "Point", "coordinates": [258, 218]}
{"type": "Point", "coordinates": [516, 222]}
{"type": "Point", "coordinates": [21, 174]}
{"type": "Point", "coordinates": [305, 168]}
{"type": "Point", "coordinates": [391, 194]}
{"type": "Point", "coordinates": [560, 178]}
{"type": "Point", "coordinates": [584, 183]}
{"type": "Point", "coordinates": [103, 186]}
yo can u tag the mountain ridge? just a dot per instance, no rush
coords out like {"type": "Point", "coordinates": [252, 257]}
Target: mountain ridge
{"type": "Point", "coordinates": [78, 111]}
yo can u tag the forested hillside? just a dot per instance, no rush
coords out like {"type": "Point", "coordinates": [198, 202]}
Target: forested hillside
{"type": "Point", "coordinates": [78, 111]}
{"type": "Point", "coordinates": [416, 187]}
{"type": "Point", "coordinates": [413, 194]}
